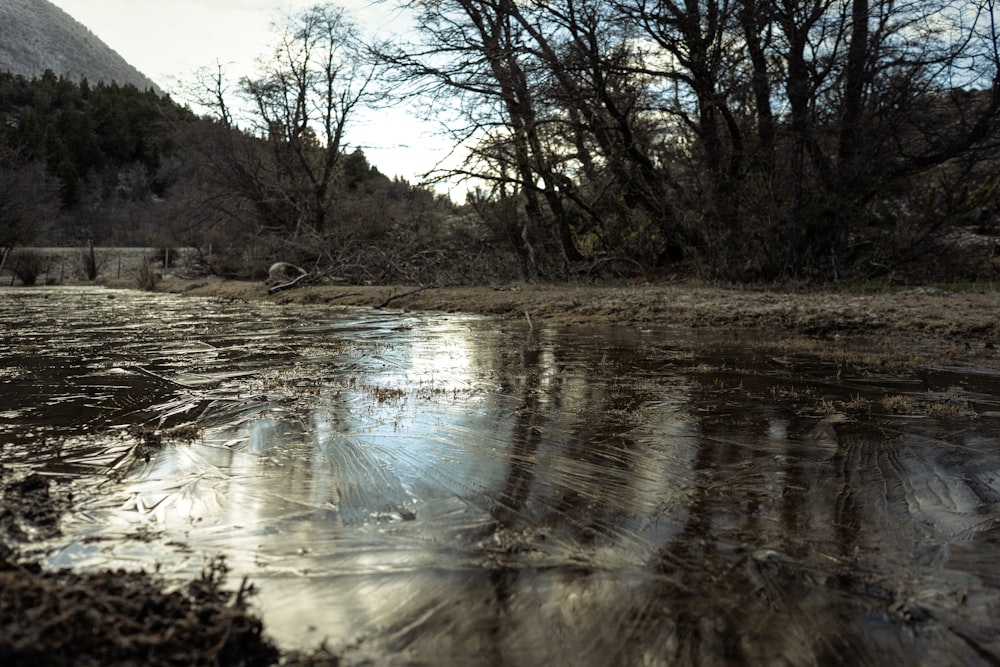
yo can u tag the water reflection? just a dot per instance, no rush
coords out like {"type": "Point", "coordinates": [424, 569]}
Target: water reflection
{"type": "Point", "coordinates": [436, 490]}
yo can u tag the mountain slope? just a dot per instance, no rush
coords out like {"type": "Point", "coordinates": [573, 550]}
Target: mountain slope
{"type": "Point", "coordinates": [35, 35]}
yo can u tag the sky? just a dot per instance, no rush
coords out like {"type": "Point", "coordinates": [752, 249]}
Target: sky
{"type": "Point", "coordinates": [169, 40]}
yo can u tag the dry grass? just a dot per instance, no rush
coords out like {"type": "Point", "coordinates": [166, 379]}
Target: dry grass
{"type": "Point", "coordinates": [940, 406]}
{"type": "Point", "coordinates": [899, 329]}
{"type": "Point", "coordinates": [900, 404]}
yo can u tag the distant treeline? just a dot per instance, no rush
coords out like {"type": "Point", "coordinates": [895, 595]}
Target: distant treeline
{"type": "Point", "coordinates": [113, 165]}
{"type": "Point", "coordinates": [89, 136]}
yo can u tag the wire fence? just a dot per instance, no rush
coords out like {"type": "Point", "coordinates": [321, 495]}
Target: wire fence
{"type": "Point", "coordinates": [53, 266]}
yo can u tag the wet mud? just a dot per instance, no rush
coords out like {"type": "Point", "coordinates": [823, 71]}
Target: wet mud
{"type": "Point", "coordinates": [409, 488]}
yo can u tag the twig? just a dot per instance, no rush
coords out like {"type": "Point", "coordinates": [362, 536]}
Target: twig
{"type": "Point", "coordinates": [400, 296]}
{"type": "Point", "coordinates": [345, 295]}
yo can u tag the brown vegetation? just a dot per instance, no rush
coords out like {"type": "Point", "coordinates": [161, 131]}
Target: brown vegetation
{"type": "Point", "coordinates": [125, 618]}
{"type": "Point", "coordinates": [963, 318]}
{"type": "Point", "coordinates": [26, 265]}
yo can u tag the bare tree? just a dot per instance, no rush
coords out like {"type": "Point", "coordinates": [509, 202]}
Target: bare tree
{"type": "Point", "coordinates": [477, 56]}
{"type": "Point", "coordinates": [763, 137]}
{"type": "Point", "coordinates": [284, 134]}
{"type": "Point", "coordinates": [848, 103]}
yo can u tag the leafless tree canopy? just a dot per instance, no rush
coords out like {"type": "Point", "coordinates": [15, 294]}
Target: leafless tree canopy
{"type": "Point", "coordinates": [287, 158]}
{"type": "Point", "coordinates": [747, 138]}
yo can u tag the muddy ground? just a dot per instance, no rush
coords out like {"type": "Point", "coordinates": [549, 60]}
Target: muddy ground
{"type": "Point", "coordinates": [132, 619]}
{"type": "Point", "coordinates": [962, 325]}
{"type": "Point", "coordinates": [919, 310]}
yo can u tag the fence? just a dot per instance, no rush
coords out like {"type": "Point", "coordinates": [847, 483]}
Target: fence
{"type": "Point", "coordinates": [61, 265]}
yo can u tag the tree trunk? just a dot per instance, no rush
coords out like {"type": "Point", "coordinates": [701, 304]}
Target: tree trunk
{"type": "Point", "coordinates": [855, 77]}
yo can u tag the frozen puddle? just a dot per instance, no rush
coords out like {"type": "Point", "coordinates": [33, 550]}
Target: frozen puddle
{"type": "Point", "coordinates": [419, 489]}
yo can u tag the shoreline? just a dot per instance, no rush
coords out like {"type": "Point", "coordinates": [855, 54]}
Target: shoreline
{"type": "Point", "coordinates": [951, 327]}
{"type": "Point", "coordinates": [923, 312]}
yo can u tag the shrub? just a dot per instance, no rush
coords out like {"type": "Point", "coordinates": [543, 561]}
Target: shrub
{"type": "Point", "coordinates": [27, 265]}
{"type": "Point", "coordinates": [145, 277]}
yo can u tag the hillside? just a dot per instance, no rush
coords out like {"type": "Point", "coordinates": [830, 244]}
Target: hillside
{"type": "Point", "coordinates": [35, 35]}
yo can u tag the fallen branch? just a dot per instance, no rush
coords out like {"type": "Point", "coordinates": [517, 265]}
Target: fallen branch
{"type": "Point", "coordinates": [288, 285]}
{"type": "Point", "coordinates": [400, 296]}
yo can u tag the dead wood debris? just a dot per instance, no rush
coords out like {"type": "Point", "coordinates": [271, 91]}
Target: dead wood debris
{"type": "Point", "coordinates": [393, 297]}
{"type": "Point", "coordinates": [303, 279]}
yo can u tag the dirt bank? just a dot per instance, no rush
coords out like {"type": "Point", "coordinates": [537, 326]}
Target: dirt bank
{"type": "Point", "coordinates": [965, 318]}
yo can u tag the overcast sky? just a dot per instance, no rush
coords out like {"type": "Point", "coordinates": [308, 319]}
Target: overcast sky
{"type": "Point", "coordinates": [169, 40]}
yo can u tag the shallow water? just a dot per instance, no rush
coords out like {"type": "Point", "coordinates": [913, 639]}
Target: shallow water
{"type": "Point", "coordinates": [447, 489]}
